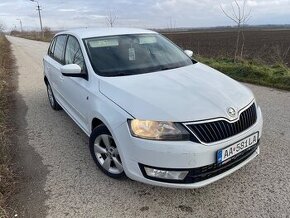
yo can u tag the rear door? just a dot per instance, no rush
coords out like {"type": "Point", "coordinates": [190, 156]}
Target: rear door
{"type": "Point", "coordinates": [56, 61]}
{"type": "Point", "coordinates": [48, 61]}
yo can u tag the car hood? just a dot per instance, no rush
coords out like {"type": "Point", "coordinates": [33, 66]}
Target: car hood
{"type": "Point", "coordinates": [190, 93]}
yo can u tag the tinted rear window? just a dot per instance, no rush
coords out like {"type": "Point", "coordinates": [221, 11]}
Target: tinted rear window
{"type": "Point", "coordinates": [51, 48]}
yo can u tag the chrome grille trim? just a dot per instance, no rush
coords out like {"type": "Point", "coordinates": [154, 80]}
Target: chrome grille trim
{"type": "Point", "coordinates": [220, 129]}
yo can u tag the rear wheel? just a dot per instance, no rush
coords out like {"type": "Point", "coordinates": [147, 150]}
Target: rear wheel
{"type": "Point", "coordinates": [105, 152]}
{"type": "Point", "coordinates": [53, 103]}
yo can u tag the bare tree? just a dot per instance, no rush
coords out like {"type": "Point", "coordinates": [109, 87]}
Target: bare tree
{"type": "Point", "coordinates": [111, 18]}
{"type": "Point", "coordinates": [240, 15]}
{"type": "Point", "coordinates": [2, 28]}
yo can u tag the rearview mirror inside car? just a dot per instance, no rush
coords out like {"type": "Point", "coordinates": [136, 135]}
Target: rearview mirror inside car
{"type": "Point", "coordinates": [189, 53]}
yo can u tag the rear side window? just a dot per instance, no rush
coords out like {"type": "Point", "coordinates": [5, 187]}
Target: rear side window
{"type": "Point", "coordinates": [51, 48]}
{"type": "Point", "coordinates": [73, 53]}
{"type": "Point", "coordinates": [59, 48]}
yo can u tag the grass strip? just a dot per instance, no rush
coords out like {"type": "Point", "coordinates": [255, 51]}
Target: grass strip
{"type": "Point", "coordinates": [250, 71]}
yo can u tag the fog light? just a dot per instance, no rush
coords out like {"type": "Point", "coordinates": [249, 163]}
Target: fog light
{"type": "Point", "coordinates": [165, 174]}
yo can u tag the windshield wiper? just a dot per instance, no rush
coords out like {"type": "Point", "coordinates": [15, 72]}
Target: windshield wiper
{"type": "Point", "coordinates": [167, 68]}
{"type": "Point", "coordinates": [119, 74]}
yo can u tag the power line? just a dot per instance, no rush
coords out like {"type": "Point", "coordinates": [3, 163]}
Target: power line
{"type": "Point", "coordinates": [39, 14]}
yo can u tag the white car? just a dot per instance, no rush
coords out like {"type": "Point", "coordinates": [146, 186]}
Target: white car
{"type": "Point", "coordinates": [150, 111]}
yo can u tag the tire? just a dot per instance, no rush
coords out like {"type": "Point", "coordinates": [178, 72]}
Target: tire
{"type": "Point", "coordinates": [105, 153]}
{"type": "Point", "coordinates": [52, 101]}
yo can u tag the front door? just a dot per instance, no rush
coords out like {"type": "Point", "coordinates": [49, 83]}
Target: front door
{"type": "Point", "coordinates": [75, 89]}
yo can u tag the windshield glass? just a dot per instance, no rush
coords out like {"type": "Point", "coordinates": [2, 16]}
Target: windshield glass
{"type": "Point", "coordinates": [134, 54]}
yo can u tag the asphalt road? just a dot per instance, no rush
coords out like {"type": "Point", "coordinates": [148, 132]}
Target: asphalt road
{"type": "Point", "coordinates": [60, 179]}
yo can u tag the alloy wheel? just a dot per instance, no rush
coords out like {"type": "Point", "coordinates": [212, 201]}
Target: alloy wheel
{"type": "Point", "coordinates": [107, 154]}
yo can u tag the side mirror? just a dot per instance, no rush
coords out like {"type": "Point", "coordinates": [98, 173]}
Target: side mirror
{"type": "Point", "coordinates": [72, 70]}
{"type": "Point", "coordinates": [189, 53]}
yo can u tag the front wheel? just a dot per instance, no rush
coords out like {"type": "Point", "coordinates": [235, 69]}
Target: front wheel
{"type": "Point", "coordinates": [105, 152]}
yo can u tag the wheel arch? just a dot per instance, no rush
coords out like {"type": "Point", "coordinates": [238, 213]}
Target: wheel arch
{"type": "Point", "coordinates": [96, 122]}
{"type": "Point", "coordinates": [107, 113]}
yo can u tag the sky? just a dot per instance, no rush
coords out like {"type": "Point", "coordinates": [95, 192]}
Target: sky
{"type": "Point", "coordinates": [61, 14]}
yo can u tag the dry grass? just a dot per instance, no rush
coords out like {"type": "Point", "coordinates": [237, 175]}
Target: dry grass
{"type": "Point", "coordinates": [6, 176]}
{"type": "Point", "coordinates": [35, 35]}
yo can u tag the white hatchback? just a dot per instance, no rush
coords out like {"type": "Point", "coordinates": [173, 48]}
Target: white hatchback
{"type": "Point", "coordinates": [151, 111]}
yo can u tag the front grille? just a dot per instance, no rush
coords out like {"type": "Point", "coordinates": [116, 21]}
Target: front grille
{"type": "Point", "coordinates": [221, 129]}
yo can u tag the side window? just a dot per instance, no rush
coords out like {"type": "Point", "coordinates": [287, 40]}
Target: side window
{"type": "Point", "coordinates": [73, 53]}
{"type": "Point", "coordinates": [59, 48]}
{"type": "Point", "coordinates": [51, 48]}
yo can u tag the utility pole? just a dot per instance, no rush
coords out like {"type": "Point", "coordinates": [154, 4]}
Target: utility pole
{"type": "Point", "coordinates": [21, 28]}
{"type": "Point", "coordinates": [39, 14]}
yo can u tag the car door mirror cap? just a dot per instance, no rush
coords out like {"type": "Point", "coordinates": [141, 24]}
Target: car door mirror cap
{"type": "Point", "coordinates": [71, 70]}
{"type": "Point", "coordinates": [189, 53]}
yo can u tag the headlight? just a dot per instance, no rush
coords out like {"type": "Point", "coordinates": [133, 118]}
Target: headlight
{"type": "Point", "coordinates": [155, 130]}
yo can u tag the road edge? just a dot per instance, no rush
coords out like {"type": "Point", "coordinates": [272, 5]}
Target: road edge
{"type": "Point", "coordinates": [29, 197]}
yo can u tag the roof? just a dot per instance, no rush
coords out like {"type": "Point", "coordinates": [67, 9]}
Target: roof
{"type": "Point", "coordinates": [97, 32]}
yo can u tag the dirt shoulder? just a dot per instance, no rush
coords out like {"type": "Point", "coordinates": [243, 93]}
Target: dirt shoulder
{"type": "Point", "coordinates": [22, 173]}
{"type": "Point", "coordinates": [7, 101]}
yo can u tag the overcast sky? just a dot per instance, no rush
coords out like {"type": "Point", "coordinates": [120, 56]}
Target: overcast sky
{"type": "Point", "coordinates": [61, 14]}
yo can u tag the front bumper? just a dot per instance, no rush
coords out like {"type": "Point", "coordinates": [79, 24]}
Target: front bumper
{"type": "Point", "coordinates": [136, 153]}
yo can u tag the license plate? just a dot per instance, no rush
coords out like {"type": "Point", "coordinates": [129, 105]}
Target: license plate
{"type": "Point", "coordinates": [238, 147]}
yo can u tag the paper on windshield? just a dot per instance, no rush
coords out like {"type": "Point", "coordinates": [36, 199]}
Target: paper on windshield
{"type": "Point", "coordinates": [147, 39]}
{"type": "Point", "coordinates": [103, 43]}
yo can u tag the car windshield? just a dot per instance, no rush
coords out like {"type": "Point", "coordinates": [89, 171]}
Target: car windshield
{"type": "Point", "coordinates": [134, 54]}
